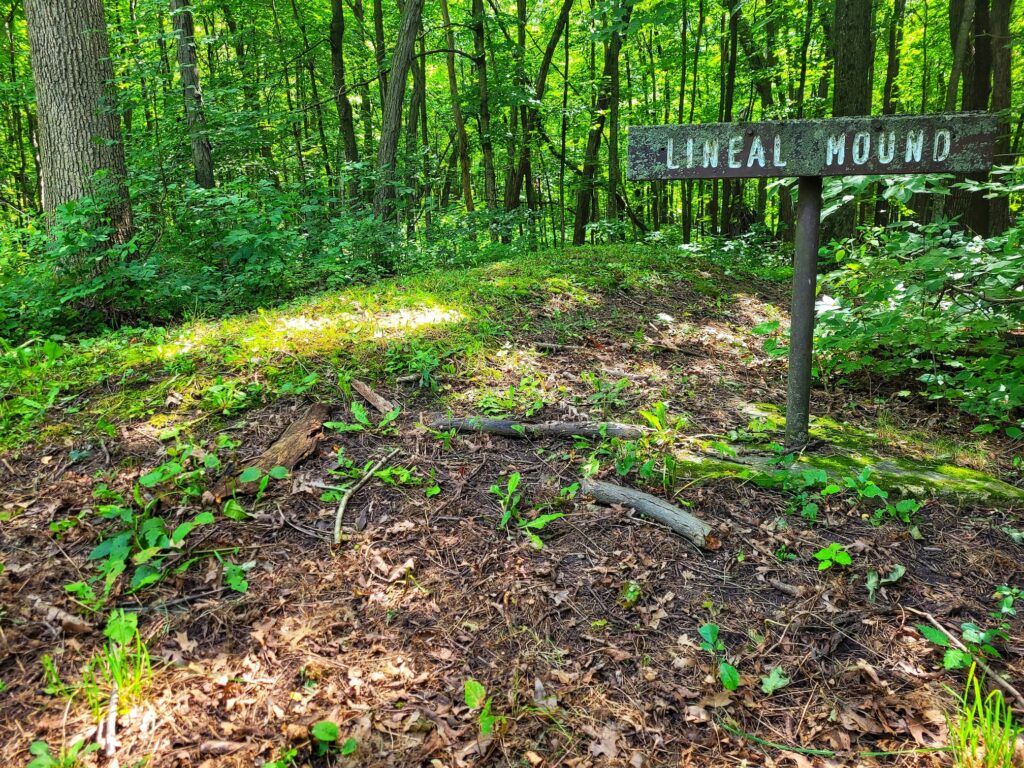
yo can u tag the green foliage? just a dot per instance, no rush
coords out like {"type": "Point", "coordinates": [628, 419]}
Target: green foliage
{"type": "Point", "coordinates": [710, 642]}
{"type": "Point", "coordinates": [833, 554]}
{"type": "Point", "coordinates": [325, 740]}
{"type": "Point", "coordinates": [475, 697]}
{"type": "Point", "coordinates": [511, 511]}
{"type": "Point", "coordinates": [874, 580]}
{"type": "Point", "coordinates": [933, 304]}
{"type": "Point", "coordinates": [979, 643]}
{"type": "Point", "coordinates": [123, 663]}
{"type": "Point", "coordinates": [774, 681]}
{"type": "Point", "coordinates": [983, 732]}
{"type": "Point", "coordinates": [71, 756]}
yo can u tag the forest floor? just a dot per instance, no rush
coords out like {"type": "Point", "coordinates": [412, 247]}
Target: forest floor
{"type": "Point", "coordinates": [258, 627]}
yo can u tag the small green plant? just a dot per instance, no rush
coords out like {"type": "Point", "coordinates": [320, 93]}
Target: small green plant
{"type": "Point", "coordinates": [511, 511]}
{"type": "Point", "coordinates": [977, 641]}
{"type": "Point", "coordinates": [362, 420]}
{"type": "Point", "coordinates": [508, 498]}
{"type": "Point", "coordinates": [903, 510]}
{"type": "Point", "coordinates": [606, 395]}
{"type": "Point", "coordinates": [227, 397]}
{"type": "Point", "coordinates": [711, 643]}
{"type": "Point", "coordinates": [874, 579]}
{"type": "Point", "coordinates": [832, 555]}
{"type": "Point", "coordinates": [285, 758]}
{"type": "Point", "coordinates": [257, 475]}
{"type": "Point", "coordinates": [475, 696]}
{"type": "Point", "coordinates": [774, 681]}
{"type": "Point", "coordinates": [1007, 597]}
{"type": "Point", "coordinates": [983, 732]}
{"type": "Point", "coordinates": [68, 757]}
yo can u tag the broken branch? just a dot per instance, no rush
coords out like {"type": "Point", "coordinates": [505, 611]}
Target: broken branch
{"type": "Point", "coordinates": [588, 429]}
{"type": "Point", "coordinates": [381, 404]}
{"type": "Point", "coordinates": [351, 492]}
{"type": "Point", "coordinates": [691, 528]}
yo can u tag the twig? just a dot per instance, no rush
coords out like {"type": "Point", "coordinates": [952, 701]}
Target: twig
{"type": "Point", "coordinates": [351, 491]}
{"type": "Point", "coordinates": [381, 404]}
{"type": "Point", "coordinates": [109, 730]}
{"type": "Point", "coordinates": [565, 429]}
{"type": "Point", "coordinates": [996, 677]}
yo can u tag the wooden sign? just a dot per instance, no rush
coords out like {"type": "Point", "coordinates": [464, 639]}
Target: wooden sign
{"type": "Point", "coordinates": [845, 146]}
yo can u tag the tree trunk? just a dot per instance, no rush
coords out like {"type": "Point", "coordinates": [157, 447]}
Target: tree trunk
{"type": "Point", "coordinates": [195, 116]}
{"type": "Point", "coordinates": [79, 125]}
{"type": "Point", "coordinates": [346, 121]}
{"type": "Point", "coordinates": [531, 114]}
{"type": "Point", "coordinates": [999, 215]}
{"type": "Point", "coordinates": [378, 49]}
{"type": "Point", "coordinates": [486, 146]}
{"type": "Point", "coordinates": [961, 20]}
{"type": "Point", "coordinates": [890, 89]}
{"type": "Point", "coordinates": [585, 196]}
{"type": "Point", "coordinates": [391, 125]}
{"type": "Point", "coordinates": [851, 92]}
{"type": "Point", "coordinates": [460, 124]}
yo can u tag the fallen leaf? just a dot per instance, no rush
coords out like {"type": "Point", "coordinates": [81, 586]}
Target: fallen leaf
{"type": "Point", "coordinates": [605, 742]}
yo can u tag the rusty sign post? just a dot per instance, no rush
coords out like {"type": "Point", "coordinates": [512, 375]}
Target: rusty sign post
{"type": "Point", "coordinates": [809, 150]}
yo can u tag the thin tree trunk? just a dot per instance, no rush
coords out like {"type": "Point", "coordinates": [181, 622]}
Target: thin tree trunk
{"type": "Point", "coordinates": [460, 123]}
{"type": "Point", "coordinates": [585, 196]}
{"type": "Point", "coordinates": [195, 116]}
{"type": "Point", "coordinates": [378, 49]}
{"type": "Point", "coordinates": [961, 24]}
{"type": "Point", "coordinates": [999, 215]}
{"type": "Point", "coordinates": [346, 120]}
{"type": "Point", "coordinates": [318, 112]}
{"type": "Point", "coordinates": [391, 125]}
{"type": "Point", "coordinates": [486, 146]}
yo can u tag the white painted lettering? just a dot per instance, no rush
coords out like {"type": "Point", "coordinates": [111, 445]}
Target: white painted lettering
{"type": "Point", "coordinates": [735, 145]}
{"type": "Point", "coordinates": [886, 148]}
{"type": "Point", "coordinates": [861, 147]}
{"type": "Point", "coordinates": [711, 154]}
{"type": "Point", "coordinates": [670, 155]}
{"type": "Point", "coordinates": [689, 153]}
{"type": "Point", "coordinates": [777, 160]}
{"type": "Point", "coordinates": [835, 151]}
{"type": "Point", "coordinates": [915, 143]}
{"type": "Point", "coordinates": [756, 153]}
{"type": "Point", "coordinates": [940, 149]}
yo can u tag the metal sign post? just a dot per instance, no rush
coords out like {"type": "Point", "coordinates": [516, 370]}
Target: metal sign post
{"type": "Point", "coordinates": [811, 149]}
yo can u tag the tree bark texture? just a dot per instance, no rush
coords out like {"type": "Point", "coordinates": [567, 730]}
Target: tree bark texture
{"type": "Point", "coordinates": [188, 70]}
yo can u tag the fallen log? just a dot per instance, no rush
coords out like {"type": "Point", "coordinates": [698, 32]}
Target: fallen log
{"type": "Point", "coordinates": [294, 445]}
{"type": "Point", "coordinates": [505, 428]}
{"type": "Point", "coordinates": [691, 528]}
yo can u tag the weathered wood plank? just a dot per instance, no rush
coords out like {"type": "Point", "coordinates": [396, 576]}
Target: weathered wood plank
{"type": "Point", "coordinates": [893, 144]}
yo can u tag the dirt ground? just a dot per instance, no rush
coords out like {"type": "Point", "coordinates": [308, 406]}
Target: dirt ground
{"type": "Point", "coordinates": [380, 634]}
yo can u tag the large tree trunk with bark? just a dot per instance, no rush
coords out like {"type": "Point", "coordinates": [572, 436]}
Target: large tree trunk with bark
{"type": "Point", "coordinates": [79, 125]}
{"type": "Point", "coordinates": [391, 126]}
{"type": "Point", "coordinates": [851, 93]}
{"type": "Point", "coordinates": [188, 70]}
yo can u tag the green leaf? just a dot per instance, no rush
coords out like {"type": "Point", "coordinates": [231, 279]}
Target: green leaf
{"type": "Point", "coordinates": [433, 490]}
{"type": "Point", "coordinates": [326, 731]}
{"type": "Point", "coordinates": [250, 475]}
{"type": "Point", "coordinates": [121, 626]}
{"type": "Point", "coordinates": [233, 510]}
{"type": "Point", "coordinates": [539, 522]}
{"type": "Point", "coordinates": [349, 747]}
{"type": "Point", "coordinates": [161, 474]}
{"type": "Point", "coordinates": [487, 720]}
{"type": "Point", "coordinates": [513, 482]}
{"type": "Point", "coordinates": [278, 472]}
{"type": "Point", "coordinates": [709, 632]}
{"type": "Point", "coordinates": [933, 635]}
{"type": "Point", "coordinates": [729, 676]}
{"type": "Point", "coordinates": [474, 693]}
{"type": "Point", "coordinates": [774, 681]}
{"type": "Point", "coordinates": [359, 413]}
{"type": "Point", "coordinates": [843, 557]}
{"type": "Point", "coordinates": [956, 659]}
